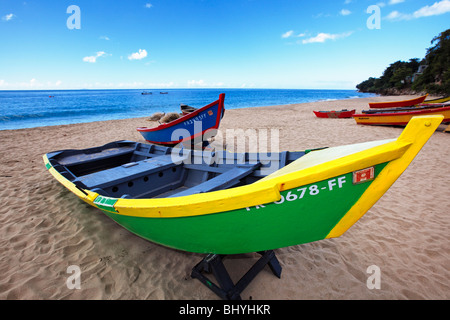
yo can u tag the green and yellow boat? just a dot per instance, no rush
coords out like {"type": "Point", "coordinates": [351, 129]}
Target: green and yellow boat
{"type": "Point", "coordinates": [225, 203]}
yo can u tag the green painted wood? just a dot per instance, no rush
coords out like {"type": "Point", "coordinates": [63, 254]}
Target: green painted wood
{"type": "Point", "coordinates": [304, 214]}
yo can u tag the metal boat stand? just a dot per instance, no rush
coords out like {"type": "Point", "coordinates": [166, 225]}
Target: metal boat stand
{"type": "Point", "coordinates": [226, 289]}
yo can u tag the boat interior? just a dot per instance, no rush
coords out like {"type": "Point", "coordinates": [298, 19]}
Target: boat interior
{"type": "Point", "coordinates": [127, 169]}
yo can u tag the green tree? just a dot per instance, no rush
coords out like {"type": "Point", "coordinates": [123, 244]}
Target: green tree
{"type": "Point", "coordinates": [398, 75]}
{"type": "Point", "coordinates": [436, 77]}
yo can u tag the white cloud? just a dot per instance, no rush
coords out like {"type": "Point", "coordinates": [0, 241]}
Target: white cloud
{"type": "Point", "coordinates": [391, 2]}
{"type": "Point", "coordinates": [287, 34]}
{"type": "Point", "coordinates": [395, 1]}
{"type": "Point", "coordinates": [93, 59]}
{"type": "Point", "coordinates": [105, 38]}
{"type": "Point", "coordinates": [33, 83]}
{"type": "Point", "coordinates": [196, 83]}
{"type": "Point", "coordinates": [395, 15]}
{"type": "Point", "coordinates": [148, 5]}
{"type": "Point", "coordinates": [161, 85]}
{"type": "Point", "coordinates": [321, 15]}
{"type": "Point", "coordinates": [290, 34]}
{"type": "Point", "coordinates": [437, 8]}
{"type": "Point", "coordinates": [345, 12]}
{"type": "Point", "coordinates": [322, 37]}
{"type": "Point", "coordinates": [8, 17]}
{"type": "Point", "coordinates": [135, 84]}
{"type": "Point", "coordinates": [202, 84]}
{"type": "Point", "coordinates": [141, 54]}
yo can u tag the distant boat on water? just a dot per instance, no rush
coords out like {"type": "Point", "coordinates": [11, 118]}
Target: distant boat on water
{"type": "Point", "coordinates": [146, 93]}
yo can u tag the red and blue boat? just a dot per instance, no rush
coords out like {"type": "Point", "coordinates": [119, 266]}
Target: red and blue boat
{"type": "Point", "coordinates": [197, 125]}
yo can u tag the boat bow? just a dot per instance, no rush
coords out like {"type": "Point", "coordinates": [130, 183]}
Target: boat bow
{"type": "Point", "coordinates": [415, 135]}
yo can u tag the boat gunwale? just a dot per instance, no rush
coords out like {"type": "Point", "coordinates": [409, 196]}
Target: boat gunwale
{"type": "Point", "coordinates": [343, 110]}
{"type": "Point", "coordinates": [400, 113]}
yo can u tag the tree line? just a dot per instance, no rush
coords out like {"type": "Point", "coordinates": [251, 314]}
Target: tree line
{"type": "Point", "coordinates": [430, 75]}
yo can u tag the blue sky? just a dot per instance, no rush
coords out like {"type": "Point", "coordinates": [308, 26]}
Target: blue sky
{"type": "Point", "coordinates": [210, 43]}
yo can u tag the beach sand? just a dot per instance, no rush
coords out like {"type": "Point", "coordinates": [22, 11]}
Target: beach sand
{"type": "Point", "coordinates": [44, 228]}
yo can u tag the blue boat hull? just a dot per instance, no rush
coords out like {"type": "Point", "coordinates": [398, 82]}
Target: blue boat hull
{"type": "Point", "coordinates": [193, 127]}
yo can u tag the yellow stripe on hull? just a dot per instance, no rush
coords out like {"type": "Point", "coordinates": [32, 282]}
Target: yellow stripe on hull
{"type": "Point", "coordinates": [265, 191]}
{"type": "Point", "coordinates": [416, 134]}
{"type": "Point", "coordinates": [440, 100]}
{"type": "Point", "coordinates": [315, 166]}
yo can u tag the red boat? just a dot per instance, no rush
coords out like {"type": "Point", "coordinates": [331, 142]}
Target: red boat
{"type": "Point", "coordinates": [335, 114]}
{"type": "Point", "coordinates": [398, 104]}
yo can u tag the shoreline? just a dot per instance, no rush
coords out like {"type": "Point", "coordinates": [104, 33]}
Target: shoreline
{"type": "Point", "coordinates": [45, 229]}
{"type": "Point", "coordinates": [319, 102]}
{"type": "Point", "coordinates": [129, 103]}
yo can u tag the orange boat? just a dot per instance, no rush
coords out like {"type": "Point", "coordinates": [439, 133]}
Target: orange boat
{"type": "Point", "coordinates": [398, 104]}
{"type": "Point", "coordinates": [400, 118]}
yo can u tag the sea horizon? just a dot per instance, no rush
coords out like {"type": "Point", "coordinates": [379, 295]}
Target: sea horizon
{"type": "Point", "coordinates": [174, 88]}
{"type": "Point", "coordinates": [20, 109]}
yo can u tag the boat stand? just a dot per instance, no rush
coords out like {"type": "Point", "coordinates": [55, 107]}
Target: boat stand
{"type": "Point", "coordinates": [447, 129]}
{"type": "Point", "coordinates": [226, 289]}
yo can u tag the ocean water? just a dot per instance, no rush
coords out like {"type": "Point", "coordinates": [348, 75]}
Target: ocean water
{"type": "Point", "coordinates": [28, 109]}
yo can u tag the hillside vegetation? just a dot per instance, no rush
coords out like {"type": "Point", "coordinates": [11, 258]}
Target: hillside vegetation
{"type": "Point", "coordinates": [429, 75]}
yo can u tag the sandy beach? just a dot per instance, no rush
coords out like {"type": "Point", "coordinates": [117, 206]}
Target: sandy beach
{"type": "Point", "coordinates": [44, 228]}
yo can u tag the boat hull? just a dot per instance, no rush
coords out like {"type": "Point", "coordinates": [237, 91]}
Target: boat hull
{"type": "Point", "coordinates": [398, 104]}
{"type": "Point", "coordinates": [399, 118]}
{"type": "Point", "coordinates": [318, 196]}
{"type": "Point", "coordinates": [199, 124]}
{"type": "Point", "coordinates": [303, 214]}
{"type": "Point", "coordinates": [335, 114]}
